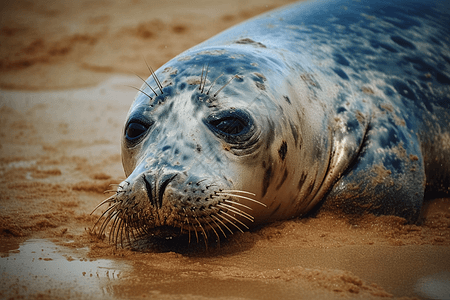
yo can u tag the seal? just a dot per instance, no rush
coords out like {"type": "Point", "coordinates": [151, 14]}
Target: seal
{"type": "Point", "coordinates": [342, 105]}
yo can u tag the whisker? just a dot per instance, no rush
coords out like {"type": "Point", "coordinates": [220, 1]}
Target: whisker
{"type": "Point", "coordinates": [201, 79]}
{"type": "Point", "coordinates": [187, 221]}
{"type": "Point", "coordinates": [218, 226]}
{"type": "Point", "coordinates": [196, 235]}
{"type": "Point", "coordinates": [236, 211]}
{"type": "Point", "coordinates": [204, 233]}
{"type": "Point", "coordinates": [112, 229]}
{"type": "Point", "coordinates": [189, 233]}
{"type": "Point", "coordinates": [220, 221]}
{"type": "Point", "coordinates": [242, 197]}
{"type": "Point", "coordinates": [141, 91]}
{"type": "Point", "coordinates": [202, 88]}
{"type": "Point", "coordinates": [110, 199]}
{"type": "Point", "coordinates": [222, 212]}
{"type": "Point", "coordinates": [147, 84]}
{"type": "Point", "coordinates": [154, 77]}
{"type": "Point", "coordinates": [127, 232]}
{"type": "Point", "coordinates": [238, 191]}
{"type": "Point", "coordinates": [105, 222]}
{"type": "Point", "coordinates": [123, 232]}
{"type": "Point", "coordinates": [220, 215]}
{"type": "Point", "coordinates": [116, 184]}
{"type": "Point", "coordinates": [201, 227]}
{"type": "Point", "coordinates": [206, 76]}
{"type": "Point", "coordinates": [140, 230]}
{"type": "Point", "coordinates": [207, 93]}
{"type": "Point", "coordinates": [123, 228]}
{"type": "Point", "coordinates": [215, 94]}
{"type": "Point", "coordinates": [106, 218]}
{"type": "Point", "coordinates": [118, 230]}
{"type": "Point", "coordinates": [200, 181]}
{"type": "Point", "coordinates": [132, 234]}
{"type": "Point", "coordinates": [110, 191]}
{"type": "Point", "coordinates": [108, 211]}
{"type": "Point", "coordinates": [209, 224]}
{"type": "Point", "coordinates": [237, 203]}
{"type": "Point", "coordinates": [181, 227]}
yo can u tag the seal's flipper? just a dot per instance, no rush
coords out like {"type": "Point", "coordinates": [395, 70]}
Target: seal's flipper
{"type": "Point", "coordinates": [348, 130]}
{"type": "Point", "coordinates": [388, 176]}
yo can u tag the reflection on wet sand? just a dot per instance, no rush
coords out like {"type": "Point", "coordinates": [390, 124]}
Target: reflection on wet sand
{"type": "Point", "coordinates": [39, 267]}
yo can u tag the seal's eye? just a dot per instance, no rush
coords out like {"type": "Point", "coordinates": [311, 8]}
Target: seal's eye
{"type": "Point", "coordinates": [230, 126]}
{"type": "Point", "coordinates": [135, 131]}
{"type": "Point", "coordinates": [235, 126]}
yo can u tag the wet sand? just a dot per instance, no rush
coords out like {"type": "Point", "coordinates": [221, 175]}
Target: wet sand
{"type": "Point", "coordinates": [64, 75]}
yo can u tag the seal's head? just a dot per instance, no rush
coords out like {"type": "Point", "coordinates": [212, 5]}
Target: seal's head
{"type": "Point", "coordinates": [211, 145]}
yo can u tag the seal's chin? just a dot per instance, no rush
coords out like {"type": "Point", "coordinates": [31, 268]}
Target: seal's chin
{"type": "Point", "coordinates": [164, 232]}
{"type": "Point", "coordinates": [171, 239]}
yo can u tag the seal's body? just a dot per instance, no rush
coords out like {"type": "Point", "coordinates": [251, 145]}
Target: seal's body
{"type": "Point", "coordinates": [343, 103]}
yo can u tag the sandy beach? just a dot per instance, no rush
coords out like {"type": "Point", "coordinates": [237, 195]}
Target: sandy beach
{"type": "Point", "coordinates": [65, 72]}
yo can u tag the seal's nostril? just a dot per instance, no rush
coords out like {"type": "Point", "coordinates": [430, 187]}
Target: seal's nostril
{"type": "Point", "coordinates": [165, 180]}
{"type": "Point", "coordinates": [148, 188]}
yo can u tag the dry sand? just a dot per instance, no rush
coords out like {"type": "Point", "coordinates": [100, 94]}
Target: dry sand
{"type": "Point", "coordinates": [64, 67]}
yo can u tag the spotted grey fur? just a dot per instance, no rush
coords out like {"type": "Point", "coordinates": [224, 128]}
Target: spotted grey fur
{"type": "Point", "coordinates": [343, 104]}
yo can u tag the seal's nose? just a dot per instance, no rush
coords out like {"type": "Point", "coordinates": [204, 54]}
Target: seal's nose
{"type": "Point", "coordinates": [155, 186]}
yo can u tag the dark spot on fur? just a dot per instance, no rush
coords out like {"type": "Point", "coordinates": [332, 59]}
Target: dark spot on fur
{"type": "Point", "coordinates": [402, 42]}
{"type": "Point", "coordinates": [301, 181]}
{"type": "Point", "coordinates": [341, 109]}
{"type": "Point", "coordinates": [294, 132]}
{"type": "Point", "coordinates": [310, 80]}
{"type": "Point", "coordinates": [261, 76]}
{"type": "Point", "coordinates": [247, 41]}
{"type": "Point", "coordinates": [266, 180]}
{"type": "Point", "coordinates": [270, 133]}
{"type": "Point", "coordinates": [310, 187]}
{"type": "Point", "coordinates": [287, 99]}
{"type": "Point", "coordinates": [446, 58]}
{"type": "Point", "coordinates": [367, 90]}
{"type": "Point", "coordinates": [376, 44]}
{"type": "Point", "coordinates": [198, 148]}
{"type": "Point", "coordinates": [441, 78]}
{"type": "Point", "coordinates": [283, 150]}
{"type": "Point", "coordinates": [341, 60]}
{"type": "Point", "coordinates": [260, 86]}
{"type": "Point", "coordinates": [283, 179]}
{"type": "Point", "coordinates": [341, 73]}
{"type": "Point", "coordinates": [276, 209]}
{"type": "Point", "coordinates": [404, 90]}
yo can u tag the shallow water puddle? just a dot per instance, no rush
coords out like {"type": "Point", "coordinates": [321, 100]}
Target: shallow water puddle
{"type": "Point", "coordinates": [436, 286]}
{"type": "Point", "coordinates": [38, 267]}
